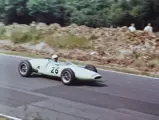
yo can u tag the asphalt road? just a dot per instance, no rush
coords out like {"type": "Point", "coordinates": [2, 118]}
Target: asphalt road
{"type": "Point", "coordinates": [118, 97]}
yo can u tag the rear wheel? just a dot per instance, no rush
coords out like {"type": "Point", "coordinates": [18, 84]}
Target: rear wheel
{"type": "Point", "coordinates": [68, 76]}
{"type": "Point", "coordinates": [91, 67]}
{"type": "Point", "coordinates": [25, 68]}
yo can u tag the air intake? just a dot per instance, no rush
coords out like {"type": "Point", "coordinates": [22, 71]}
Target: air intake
{"type": "Point", "coordinates": [98, 77]}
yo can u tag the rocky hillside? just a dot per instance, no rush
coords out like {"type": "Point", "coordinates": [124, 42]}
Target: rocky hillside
{"type": "Point", "coordinates": [106, 46]}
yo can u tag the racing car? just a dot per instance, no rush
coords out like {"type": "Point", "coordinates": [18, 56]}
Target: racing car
{"type": "Point", "coordinates": [68, 72]}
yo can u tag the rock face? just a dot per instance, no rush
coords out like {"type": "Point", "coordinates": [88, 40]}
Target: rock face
{"type": "Point", "coordinates": [113, 46]}
{"type": "Point", "coordinates": [40, 48]}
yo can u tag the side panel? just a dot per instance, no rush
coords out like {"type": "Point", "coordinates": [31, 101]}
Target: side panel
{"type": "Point", "coordinates": [48, 67]}
{"type": "Point", "coordinates": [54, 69]}
{"type": "Point", "coordinates": [84, 74]}
{"type": "Point", "coordinates": [39, 64]}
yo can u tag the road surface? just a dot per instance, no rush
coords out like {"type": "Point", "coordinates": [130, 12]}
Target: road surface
{"type": "Point", "coordinates": [118, 97]}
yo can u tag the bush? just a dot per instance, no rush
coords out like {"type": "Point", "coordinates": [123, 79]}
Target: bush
{"type": "Point", "coordinates": [69, 41]}
{"type": "Point", "coordinates": [2, 31]}
{"type": "Point", "coordinates": [20, 36]}
{"type": "Point", "coordinates": [23, 33]}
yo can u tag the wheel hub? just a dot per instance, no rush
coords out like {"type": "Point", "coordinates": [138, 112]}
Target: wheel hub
{"type": "Point", "coordinates": [23, 68]}
{"type": "Point", "coordinates": [66, 76]}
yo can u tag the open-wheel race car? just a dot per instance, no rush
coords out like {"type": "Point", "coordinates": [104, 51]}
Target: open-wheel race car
{"type": "Point", "coordinates": [67, 71]}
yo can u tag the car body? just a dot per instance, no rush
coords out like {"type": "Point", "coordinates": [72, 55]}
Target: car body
{"type": "Point", "coordinates": [67, 71]}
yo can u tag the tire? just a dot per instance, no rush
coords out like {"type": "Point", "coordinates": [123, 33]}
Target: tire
{"type": "Point", "coordinates": [26, 70]}
{"type": "Point", "coordinates": [91, 67]}
{"type": "Point", "coordinates": [70, 80]}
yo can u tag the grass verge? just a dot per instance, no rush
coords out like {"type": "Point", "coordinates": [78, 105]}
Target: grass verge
{"type": "Point", "coordinates": [117, 69]}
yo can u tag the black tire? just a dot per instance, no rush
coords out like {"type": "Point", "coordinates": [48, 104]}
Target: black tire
{"type": "Point", "coordinates": [71, 74]}
{"type": "Point", "coordinates": [91, 67]}
{"type": "Point", "coordinates": [27, 66]}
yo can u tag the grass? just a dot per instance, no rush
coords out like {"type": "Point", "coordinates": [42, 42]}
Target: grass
{"type": "Point", "coordinates": [23, 34]}
{"type": "Point", "coordinates": [69, 41]}
{"type": "Point", "coordinates": [106, 67]}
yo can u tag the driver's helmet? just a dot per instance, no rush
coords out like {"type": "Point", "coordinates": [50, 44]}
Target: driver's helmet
{"type": "Point", "coordinates": [55, 57]}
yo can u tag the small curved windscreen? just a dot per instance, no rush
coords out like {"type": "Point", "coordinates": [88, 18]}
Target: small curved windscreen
{"type": "Point", "coordinates": [68, 63]}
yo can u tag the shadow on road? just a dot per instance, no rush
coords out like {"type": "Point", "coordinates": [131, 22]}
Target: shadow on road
{"type": "Point", "coordinates": [91, 84]}
{"type": "Point", "coordinates": [79, 83]}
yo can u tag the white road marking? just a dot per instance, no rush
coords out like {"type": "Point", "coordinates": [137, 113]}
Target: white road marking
{"type": "Point", "coordinates": [10, 117]}
{"type": "Point", "coordinates": [129, 74]}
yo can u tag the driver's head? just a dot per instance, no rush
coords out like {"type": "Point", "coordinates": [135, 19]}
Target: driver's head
{"type": "Point", "coordinates": [132, 24]}
{"type": "Point", "coordinates": [55, 57]}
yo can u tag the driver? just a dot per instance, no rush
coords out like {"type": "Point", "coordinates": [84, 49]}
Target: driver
{"type": "Point", "coordinates": [55, 57]}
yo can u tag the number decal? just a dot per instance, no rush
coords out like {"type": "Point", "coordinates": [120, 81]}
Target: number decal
{"type": "Point", "coordinates": [55, 70]}
{"type": "Point", "coordinates": [52, 71]}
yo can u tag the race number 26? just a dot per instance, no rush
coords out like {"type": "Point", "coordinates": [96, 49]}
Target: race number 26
{"type": "Point", "coordinates": [55, 70]}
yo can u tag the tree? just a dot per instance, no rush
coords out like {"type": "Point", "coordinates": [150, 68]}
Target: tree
{"type": "Point", "coordinates": [150, 9]}
{"type": "Point", "coordinates": [14, 11]}
{"type": "Point", "coordinates": [93, 13]}
{"type": "Point", "coordinates": [49, 11]}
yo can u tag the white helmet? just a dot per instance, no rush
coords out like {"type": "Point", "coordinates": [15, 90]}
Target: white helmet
{"type": "Point", "coordinates": [54, 56]}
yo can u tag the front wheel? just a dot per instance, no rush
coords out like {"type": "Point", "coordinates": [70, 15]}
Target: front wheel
{"type": "Point", "coordinates": [91, 68]}
{"type": "Point", "coordinates": [68, 76]}
{"type": "Point", "coordinates": [25, 68]}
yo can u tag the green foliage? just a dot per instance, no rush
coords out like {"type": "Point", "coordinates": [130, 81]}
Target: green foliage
{"type": "Point", "coordinates": [13, 11]}
{"type": "Point", "coordinates": [70, 41]}
{"type": "Point", "coordinates": [49, 11]}
{"type": "Point", "coordinates": [93, 13]}
{"type": "Point", "coordinates": [20, 36]}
